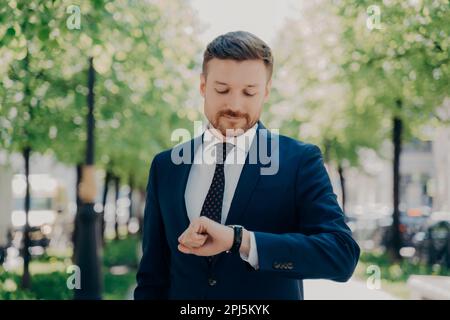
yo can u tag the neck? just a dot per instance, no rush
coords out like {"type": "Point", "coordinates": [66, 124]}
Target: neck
{"type": "Point", "coordinates": [222, 136]}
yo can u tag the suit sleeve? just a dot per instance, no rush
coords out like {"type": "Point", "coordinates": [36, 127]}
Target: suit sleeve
{"type": "Point", "coordinates": [323, 246]}
{"type": "Point", "coordinates": [153, 272]}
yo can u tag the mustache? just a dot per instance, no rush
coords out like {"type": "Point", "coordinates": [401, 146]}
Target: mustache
{"type": "Point", "coordinates": [232, 114]}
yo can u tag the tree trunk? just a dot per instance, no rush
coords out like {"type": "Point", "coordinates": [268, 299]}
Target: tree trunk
{"type": "Point", "coordinates": [342, 180]}
{"type": "Point", "coordinates": [396, 241]}
{"type": "Point", "coordinates": [76, 222]}
{"type": "Point", "coordinates": [26, 152]}
{"type": "Point", "coordinates": [105, 196]}
{"type": "Point", "coordinates": [26, 281]}
{"type": "Point", "coordinates": [116, 222]}
{"type": "Point", "coordinates": [130, 197]}
{"type": "Point", "coordinates": [88, 257]}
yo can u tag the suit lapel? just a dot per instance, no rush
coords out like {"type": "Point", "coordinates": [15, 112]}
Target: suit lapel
{"type": "Point", "coordinates": [249, 178]}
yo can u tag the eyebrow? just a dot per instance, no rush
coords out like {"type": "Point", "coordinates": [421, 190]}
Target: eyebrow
{"type": "Point", "coordinates": [224, 83]}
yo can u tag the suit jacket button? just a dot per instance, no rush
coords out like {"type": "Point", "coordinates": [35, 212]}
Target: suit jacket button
{"type": "Point", "coordinates": [290, 265]}
{"type": "Point", "coordinates": [276, 265]}
{"type": "Point", "coordinates": [212, 282]}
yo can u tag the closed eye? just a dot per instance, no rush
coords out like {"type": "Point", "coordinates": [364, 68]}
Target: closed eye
{"type": "Point", "coordinates": [222, 92]}
{"type": "Point", "coordinates": [226, 91]}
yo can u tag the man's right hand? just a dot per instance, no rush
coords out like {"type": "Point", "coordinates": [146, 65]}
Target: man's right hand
{"type": "Point", "coordinates": [194, 236]}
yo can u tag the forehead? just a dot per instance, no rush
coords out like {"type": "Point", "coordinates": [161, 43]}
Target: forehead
{"type": "Point", "coordinates": [237, 73]}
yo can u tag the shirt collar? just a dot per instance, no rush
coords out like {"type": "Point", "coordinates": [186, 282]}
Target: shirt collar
{"type": "Point", "coordinates": [241, 142]}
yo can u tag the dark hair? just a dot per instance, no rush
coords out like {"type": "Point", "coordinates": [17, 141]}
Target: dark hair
{"type": "Point", "coordinates": [240, 46]}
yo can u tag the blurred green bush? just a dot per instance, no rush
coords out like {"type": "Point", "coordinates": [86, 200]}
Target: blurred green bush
{"type": "Point", "coordinates": [53, 286]}
{"type": "Point", "coordinates": [121, 252]}
{"type": "Point", "coordinates": [398, 272]}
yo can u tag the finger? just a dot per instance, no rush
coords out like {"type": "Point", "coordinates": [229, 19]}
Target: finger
{"type": "Point", "coordinates": [201, 224]}
{"type": "Point", "coordinates": [187, 250]}
{"type": "Point", "coordinates": [195, 244]}
{"type": "Point", "coordinates": [185, 235]}
{"type": "Point", "coordinates": [195, 241]}
{"type": "Point", "coordinates": [192, 228]}
{"type": "Point", "coordinates": [190, 235]}
{"type": "Point", "coordinates": [202, 239]}
{"type": "Point", "coordinates": [200, 236]}
{"type": "Point", "coordinates": [184, 249]}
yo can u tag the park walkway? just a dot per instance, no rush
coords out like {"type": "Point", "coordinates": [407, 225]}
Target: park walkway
{"type": "Point", "coordinates": [354, 289]}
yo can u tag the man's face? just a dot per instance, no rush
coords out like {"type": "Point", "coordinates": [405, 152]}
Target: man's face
{"type": "Point", "coordinates": [234, 93]}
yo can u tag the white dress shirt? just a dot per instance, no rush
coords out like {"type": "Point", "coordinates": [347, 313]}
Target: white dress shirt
{"type": "Point", "coordinates": [202, 173]}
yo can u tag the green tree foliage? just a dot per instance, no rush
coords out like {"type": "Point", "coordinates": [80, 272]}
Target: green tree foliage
{"type": "Point", "coordinates": [145, 55]}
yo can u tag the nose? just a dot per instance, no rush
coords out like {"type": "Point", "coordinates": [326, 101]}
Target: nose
{"type": "Point", "coordinates": [234, 102]}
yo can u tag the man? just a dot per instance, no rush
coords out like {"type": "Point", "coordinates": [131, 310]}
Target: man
{"type": "Point", "coordinates": [225, 228]}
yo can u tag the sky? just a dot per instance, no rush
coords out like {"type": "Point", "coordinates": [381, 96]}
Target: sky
{"type": "Point", "coordinates": [260, 17]}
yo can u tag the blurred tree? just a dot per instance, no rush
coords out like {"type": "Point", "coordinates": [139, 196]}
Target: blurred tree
{"type": "Point", "coordinates": [145, 56]}
{"type": "Point", "coordinates": [313, 99]}
{"type": "Point", "coordinates": [357, 78]}
{"type": "Point", "coordinates": [400, 67]}
{"type": "Point", "coordinates": [146, 94]}
{"type": "Point", "coordinates": [28, 48]}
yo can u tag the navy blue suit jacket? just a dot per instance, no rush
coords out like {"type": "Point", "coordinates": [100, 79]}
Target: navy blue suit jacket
{"type": "Point", "coordinates": [299, 228]}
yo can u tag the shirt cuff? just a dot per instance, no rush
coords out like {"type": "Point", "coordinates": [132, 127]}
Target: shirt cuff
{"type": "Point", "coordinates": [252, 257]}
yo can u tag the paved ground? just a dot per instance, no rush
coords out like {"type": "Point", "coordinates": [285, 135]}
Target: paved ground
{"type": "Point", "coordinates": [352, 290]}
{"type": "Point", "coordinates": [330, 290]}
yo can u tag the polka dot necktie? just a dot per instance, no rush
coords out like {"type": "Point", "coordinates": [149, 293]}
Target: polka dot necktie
{"type": "Point", "coordinates": [212, 207]}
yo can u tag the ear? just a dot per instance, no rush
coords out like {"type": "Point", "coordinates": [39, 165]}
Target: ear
{"type": "Point", "coordinates": [267, 90]}
{"type": "Point", "coordinates": [202, 84]}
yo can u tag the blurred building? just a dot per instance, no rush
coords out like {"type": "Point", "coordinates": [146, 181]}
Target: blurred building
{"type": "Point", "coordinates": [417, 174]}
{"type": "Point", "coordinates": [55, 183]}
{"type": "Point", "coordinates": [425, 178]}
{"type": "Point", "coordinates": [6, 175]}
{"type": "Point", "coordinates": [441, 157]}
{"type": "Point", "coordinates": [52, 191]}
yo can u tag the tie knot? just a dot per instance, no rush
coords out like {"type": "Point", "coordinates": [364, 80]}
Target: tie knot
{"type": "Point", "coordinates": [222, 150]}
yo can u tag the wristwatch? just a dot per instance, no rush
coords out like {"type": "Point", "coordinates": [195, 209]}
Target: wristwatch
{"type": "Point", "coordinates": [237, 240]}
